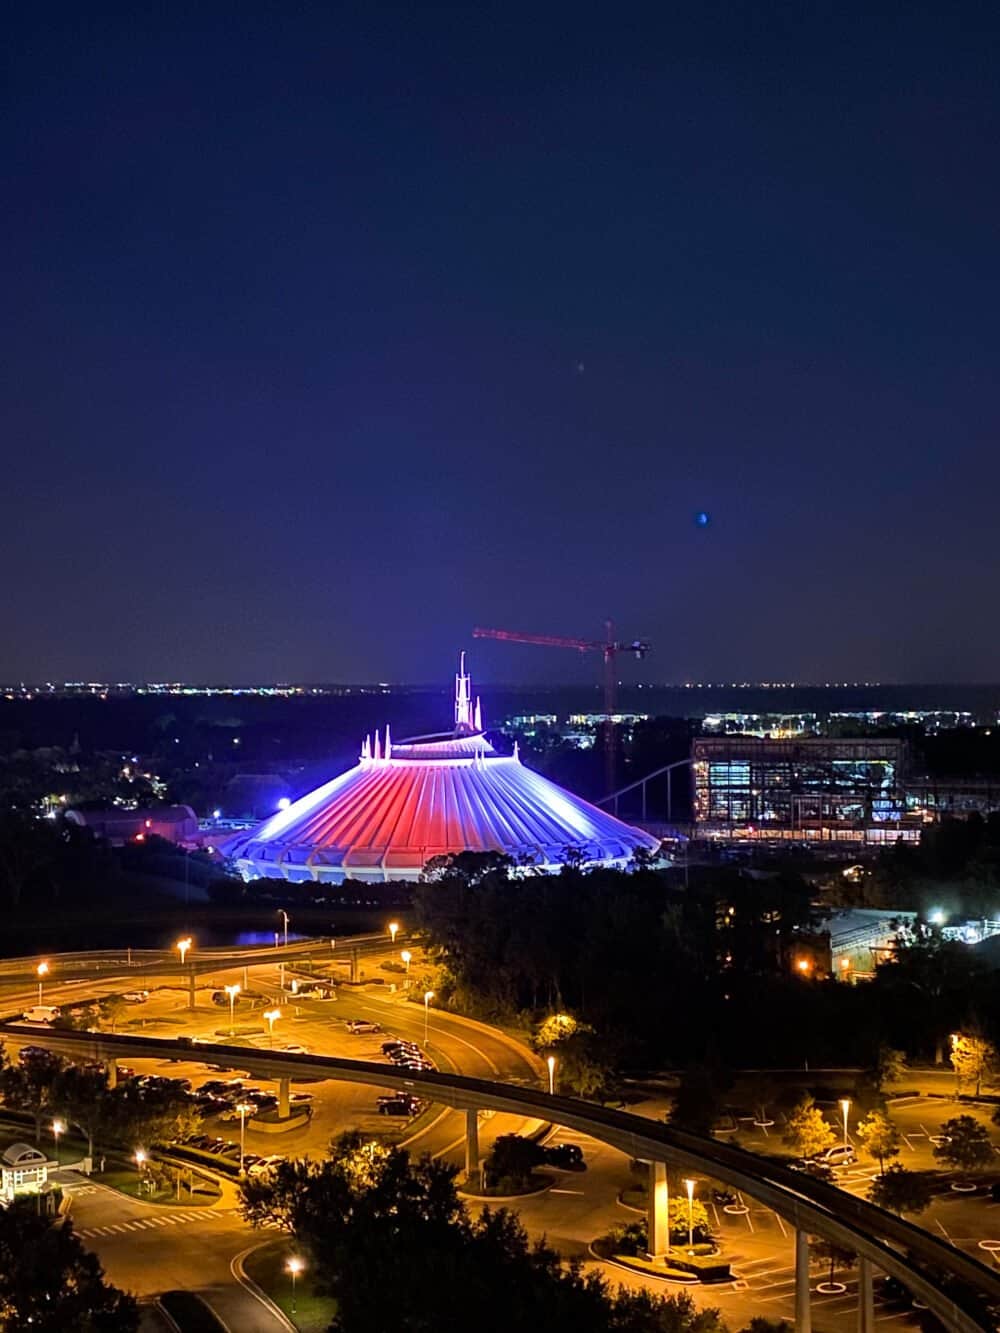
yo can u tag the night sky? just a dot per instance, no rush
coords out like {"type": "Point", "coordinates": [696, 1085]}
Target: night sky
{"type": "Point", "coordinates": [330, 331]}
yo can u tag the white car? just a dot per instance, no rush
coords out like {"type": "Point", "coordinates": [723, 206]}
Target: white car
{"type": "Point", "coordinates": [293, 1048]}
{"type": "Point", "coordinates": [842, 1155]}
{"type": "Point", "coordinates": [136, 996]}
{"type": "Point", "coordinates": [41, 1013]}
{"type": "Point", "coordinates": [362, 1025]}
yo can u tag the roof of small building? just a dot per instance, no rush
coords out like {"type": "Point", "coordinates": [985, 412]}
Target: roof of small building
{"type": "Point", "coordinates": [22, 1154]}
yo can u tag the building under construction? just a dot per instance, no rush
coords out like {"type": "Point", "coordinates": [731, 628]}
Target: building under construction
{"type": "Point", "coordinates": [802, 790]}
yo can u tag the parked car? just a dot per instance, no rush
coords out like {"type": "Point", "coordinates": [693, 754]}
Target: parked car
{"type": "Point", "coordinates": [398, 1104]}
{"type": "Point", "coordinates": [41, 1013]}
{"type": "Point", "coordinates": [841, 1155]}
{"type": "Point", "coordinates": [136, 996]}
{"type": "Point", "coordinates": [293, 1048]}
{"type": "Point", "coordinates": [819, 1170]}
{"type": "Point", "coordinates": [396, 1046]}
{"type": "Point", "coordinates": [569, 1156]}
{"type": "Point", "coordinates": [358, 1025]}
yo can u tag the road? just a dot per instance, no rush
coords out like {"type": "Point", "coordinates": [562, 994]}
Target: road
{"type": "Point", "coordinates": [148, 1248]}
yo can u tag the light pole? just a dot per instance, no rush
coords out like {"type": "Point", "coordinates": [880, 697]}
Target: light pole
{"type": "Point", "coordinates": [551, 1062]}
{"type": "Point", "coordinates": [182, 947]}
{"type": "Point", "coordinates": [393, 930]}
{"type": "Point", "coordinates": [284, 915]}
{"type": "Point", "coordinates": [294, 1266]}
{"type": "Point", "coordinates": [140, 1160]}
{"type": "Point", "coordinates": [428, 996]}
{"type": "Point", "coordinates": [689, 1186]}
{"type": "Point", "coordinates": [244, 1109]}
{"type": "Point", "coordinates": [42, 970]}
{"type": "Point", "coordinates": [271, 1015]}
{"type": "Point", "coordinates": [232, 991]}
{"type": "Point", "coordinates": [845, 1106]}
{"type": "Point", "coordinates": [57, 1128]}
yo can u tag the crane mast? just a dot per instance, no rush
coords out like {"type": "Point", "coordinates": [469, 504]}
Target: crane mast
{"type": "Point", "coordinates": [609, 647]}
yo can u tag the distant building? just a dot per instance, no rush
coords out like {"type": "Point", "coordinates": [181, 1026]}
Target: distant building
{"type": "Point", "coordinates": [802, 790]}
{"type": "Point", "coordinates": [23, 1170]}
{"type": "Point", "coordinates": [175, 823]}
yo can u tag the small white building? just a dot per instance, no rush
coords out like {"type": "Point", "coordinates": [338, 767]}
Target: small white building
{"type": "Point", "coordinates": [23, 1170]}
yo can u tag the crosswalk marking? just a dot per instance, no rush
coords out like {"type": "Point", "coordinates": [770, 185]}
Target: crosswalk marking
{"type": "Point", "coordinates": [167, 1220]}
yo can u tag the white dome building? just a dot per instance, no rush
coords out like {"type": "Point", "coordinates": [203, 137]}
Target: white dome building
{"type": "Point", "coordinates": [402, 805]}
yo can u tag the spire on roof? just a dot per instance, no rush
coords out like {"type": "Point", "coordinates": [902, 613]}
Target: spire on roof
{"type": "Point", "coordinates": [478, 716]}
{"type": "Point", "coordinates": [463, 698]}
{"type": "Point", "coordinates": [388, 743]}
{"type": "Point", "coordinates": [378, 748]}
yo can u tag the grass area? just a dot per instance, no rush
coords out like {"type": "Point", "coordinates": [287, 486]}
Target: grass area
{"type": "Point", "coordinates": [266, 1266]}
{"type": "Point", "coordinates": [190, 1312]}
{"type": "Point", "coordinates": [126, 1180]}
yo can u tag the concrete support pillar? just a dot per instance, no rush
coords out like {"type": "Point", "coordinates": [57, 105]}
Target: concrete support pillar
{"type": "Point", "coordinates": [284, 1097]}
{"type": "Point", "coordinates": [803, 1312]}
{"type": "Point", "coordinates": [191, 989]}
{"type": "Point", "coordinates": [111, 1067]}
{"type": "Point", "coordinates": [354, 967]}
{"type": "Point", "coordinates": [472, 1148]}
{"type": "Point", "coordinates": [657, 1218]}
{"type": "Point", "coordinates": [866, 1297]}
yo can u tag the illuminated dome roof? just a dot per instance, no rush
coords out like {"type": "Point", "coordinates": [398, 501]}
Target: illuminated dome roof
{"type": "Point", "coordinates": [431, 796]}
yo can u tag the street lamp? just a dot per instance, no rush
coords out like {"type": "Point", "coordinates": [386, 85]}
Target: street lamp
{"type": "Point", "coordinates": [57, 1128]}
{"type": "Point", "coordinates": [271, 1015]}
{"type": "Point", "coordinates": [407, 957]}
{"type": "Point", "coordinates": [140, 1160]}
{"type": "Point", "coordinates": [282, 913]}
{"type": "Point", "coordinates": [845, 1106]}
{"type": "Point", "coordinates": [232, 991]}
{"type": "Point", "coordinates": [294, 1266]}
{"type": "Point", "coordinates": [689, 1186]}
{"type": "Point", "coordinates": [42, 970]}
{"type": "Point", "coordinates": [428, 996]}
{"type": "Point", "coordinates": [393, 930]}
{"type": "Point", "coordinates": [182, 947]}
{"type": "Point", "coordinates": [551, 1062]}
{"type": "Point", "coordinates": [244, 1109]}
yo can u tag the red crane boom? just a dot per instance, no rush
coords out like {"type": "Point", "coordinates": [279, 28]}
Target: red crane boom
{"type": "Point", "coordinates": [610, 647]}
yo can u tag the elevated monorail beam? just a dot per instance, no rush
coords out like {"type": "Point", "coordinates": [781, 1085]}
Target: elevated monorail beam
{"type": "Point", "coordinates": [810, 1205]}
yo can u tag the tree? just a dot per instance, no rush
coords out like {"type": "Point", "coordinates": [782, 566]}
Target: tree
{"type": "Point", "coordinates": [697, 1101]}
{"type": "Point", "coordinates": [837, 1256]}
{"type": "Point", "coordinates": [112, 1010]}
{"type": "Point", "coordinates": [28, 1085]}
{"type": "Point", "coordinates": [760, 1324]}
{"type": "Point", "coordinates": [890, 1066]}
{"type": "Point", "coordinates": [512, 1162]}
{"type": "Point", "coordinates": [879, 1137]}
{"type": "Point", "coordinates": [973, 1059]}
{"type": "Point", "coordinates": [806, 1131]}
{"type": "Point", "coordinates": [900, 1191]}
{"type": "Point", "coordinates": [966, 1144]}
{"type": "Point", "coordinates": [50, 1283]}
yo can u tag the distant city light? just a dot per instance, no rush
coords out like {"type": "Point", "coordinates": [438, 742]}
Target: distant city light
{"type": "Point", "coordinates": [283, 803]}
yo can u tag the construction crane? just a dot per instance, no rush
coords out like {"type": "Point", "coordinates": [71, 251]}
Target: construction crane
{"type": "Point", "coordinates": [609, 647]}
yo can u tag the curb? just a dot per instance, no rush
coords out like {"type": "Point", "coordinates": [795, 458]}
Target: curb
{"type": "Point", "coordinates": [501, 1199]}
{"type": "Point", "coordinates": [239, 1273]}
{"type": "Point", "coordinates": [687, 1281]}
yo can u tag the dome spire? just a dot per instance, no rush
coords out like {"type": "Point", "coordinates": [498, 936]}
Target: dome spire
{"type": "Point", "coordinates": [463, 698]}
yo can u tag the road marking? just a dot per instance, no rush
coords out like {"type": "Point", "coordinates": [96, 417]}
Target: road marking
{"type": "Point", "coordinates": [943, 1232]}
{"type": "Point", "coordinates": [556, 1191]}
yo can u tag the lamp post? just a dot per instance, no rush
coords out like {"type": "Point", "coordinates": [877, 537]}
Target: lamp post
{"type": "Point", "coordinates": [244, 1109]}
{"type": "Point", "coordinates": [393, 930]}
{"type": "Point", "coordinates": [845, 1106]}
{"type": "Point", "coordinates": [57, 1128]}
{"type": "Point", "coordinates": [284, 915]}
{"type": "Point", "coordinates": [140, 1160]}
{"type": "Point", "coordinates": [232, 991]}
{"type": "Point", "coordinates": [406, 957]}
{"type": "Point", "coordinates": [271, 1015]}
{"type": "Point", "coordinates": [428, 996]}
{"type": "Point", "coordinates": [42, 970]}
{"type": "Point", "coordinates": [294, 1266]}
{"type": "Point", "coordinates": [182, 947]}
{"type": "Point", "coordinates": [689, 1186]}
{"type": "Point", "coordinates": [551, 1062]}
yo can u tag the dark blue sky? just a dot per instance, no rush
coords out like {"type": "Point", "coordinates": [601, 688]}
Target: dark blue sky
{"type": "Point", "coordinates": [296, 300]}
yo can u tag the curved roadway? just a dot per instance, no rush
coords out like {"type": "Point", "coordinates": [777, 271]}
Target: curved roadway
{"type": "Point", "coordinates": [809, 1205]}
